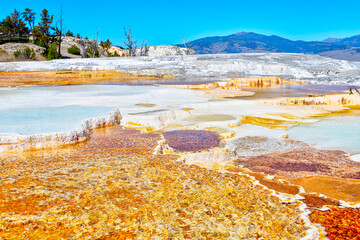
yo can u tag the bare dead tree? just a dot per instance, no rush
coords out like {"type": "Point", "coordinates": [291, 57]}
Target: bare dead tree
{"type": "Point", "coordinates": [134, 48]}
{"type": "Point", "coordinates": [129, 42]}
{"type": "Point", "coordinates": [186, 45]}
{"type": "Point", "coordinates": [59, 30]}
{"type": "Point", "coordinates": [144, 49]}
{"type": "Point", "coordinates": [83, 46]}
{"type": "Point", "coordinates": [96, 42]}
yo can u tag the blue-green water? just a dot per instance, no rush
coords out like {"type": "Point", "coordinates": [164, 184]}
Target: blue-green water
{"type": "Point", "coordinates": [332, 133]}
{"type": "Point", "coordinates": [32, 110]}
{"type": "Point", "coordinates": [28, 121]}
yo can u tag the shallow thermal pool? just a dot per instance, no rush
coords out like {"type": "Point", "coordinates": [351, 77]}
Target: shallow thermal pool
{"type": "Point", "coordinates": [32, 110]}
{"type": "Point", "coordinates": [34, 120]}
{"type": "Point", "coordinates": [332, 133]}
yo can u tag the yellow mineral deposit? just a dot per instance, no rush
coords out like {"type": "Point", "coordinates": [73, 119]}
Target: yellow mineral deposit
{"type": "Point", "coordinates": [59, 78]}
{"type": "Point", "coordinates": [257, 82]}
{"type": "Point", "coordinates": [335, 187]}
{"type": "Point", "coordinates": [139, 126]}
{"type": "Point", "coordinates": [271, 123]}
{"type": "Point", "coordinates": [232, 87]}
{"type": "Point", "coordinates": [149, 105]}
{"type": "Point", "coordinates": [117, 51]}
{"type": "Point", "coordinates": [342, 100]}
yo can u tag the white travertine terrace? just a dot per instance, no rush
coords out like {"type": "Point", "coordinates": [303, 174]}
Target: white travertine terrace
{"type": "Point", "coordinates": [60, 138]}
{"type": "Point", "coordinates": [311, 68]}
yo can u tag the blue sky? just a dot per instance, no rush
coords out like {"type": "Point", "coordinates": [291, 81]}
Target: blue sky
{"type": "Point", "coordinates": [165, 22]}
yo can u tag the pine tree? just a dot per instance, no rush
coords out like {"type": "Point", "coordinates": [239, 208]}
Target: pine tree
{"type": "Point", "coordinates": [105, 45]}
{"type": "Point", "coordinates": [14, 24]}
{"type": "Point", "coordinates": [29, 17]}
{"type": "Point", "coordinates": [43, 30]}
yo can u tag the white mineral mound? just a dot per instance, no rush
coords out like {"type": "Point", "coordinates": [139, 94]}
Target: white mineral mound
{"type": "Point", "coordinates": [166, 50]}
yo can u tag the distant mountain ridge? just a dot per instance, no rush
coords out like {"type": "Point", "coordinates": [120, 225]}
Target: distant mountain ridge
{"type": "Point", "coordinates": [249, 42]}
{"type": "Point", "coordinates": [353, 41]}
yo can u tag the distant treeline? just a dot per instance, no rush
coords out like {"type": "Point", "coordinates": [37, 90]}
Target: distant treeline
{"type": "Point", "coordinates": [47, 33]}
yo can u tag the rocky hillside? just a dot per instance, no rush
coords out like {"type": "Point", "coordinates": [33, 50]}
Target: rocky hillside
{"type": "Point", "coordinates": [7, 50]}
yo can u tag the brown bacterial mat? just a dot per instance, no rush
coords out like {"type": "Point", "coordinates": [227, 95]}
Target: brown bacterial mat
{"type": "Point", "coordinates": [191, 140]}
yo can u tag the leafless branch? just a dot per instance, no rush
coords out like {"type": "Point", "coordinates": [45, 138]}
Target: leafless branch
{"type": "Point", "coordinates": [186, 45]}
{"type": "Point", "coordinates": [59, 30]}
{"type": "Point", "coordinates": [129, 42]}
{"type": "Point", "coordinates": [96, 42]}
{"type": "Point", "coordinates": [144, 49]}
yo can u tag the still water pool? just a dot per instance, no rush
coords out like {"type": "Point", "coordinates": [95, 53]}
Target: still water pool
{"type": "Point", "coordinates": [32, 110]}
{"type": "Point", "coordinates": [333, 133]}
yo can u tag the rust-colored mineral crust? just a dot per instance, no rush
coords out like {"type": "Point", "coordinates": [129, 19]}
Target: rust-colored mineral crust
{"type": "Point", "coordinates": [334, 187]}
{"type": "Point", "coordinates": [331, 173]}
{"type": "Point", "coordinates": [303, 162]}
{"type": "Point", "coordinates": [113, 187]}
{"type": "Point", "coordinates": [316, 201]}
{"type": "Point", "coordinates": [339, 223]}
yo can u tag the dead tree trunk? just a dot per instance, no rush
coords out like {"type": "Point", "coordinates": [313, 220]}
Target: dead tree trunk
{"type": "Point", "coordinates": [144, 49]}
{"type": "Point", "coordinates": [83, 46]}
{"type": "Point", "coordinates": [95, 43]}
{"type": "Point", "coordinates": [129, 42]}
{"type": "Point", "coordinates": [60, 29]}
{"type": "Point", "coordinates": [186, 46]}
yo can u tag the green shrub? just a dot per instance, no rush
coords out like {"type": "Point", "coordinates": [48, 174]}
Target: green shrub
{"type": "Point", "coordinates": [40, 43]}
{"type": "Point", "coordinates": [115, 54]}
{"type": "Point", "coordinates": [74, 50]}
{"type": "Point", "coordinates": [26, 53]}
{"type": "Point", "coordinates": [69, 34]}
{"type": "Point", "coordinates": [17, 53]}
{"type": "Point", "coordinates": [52, 52]}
